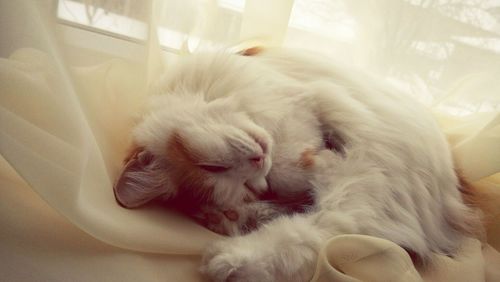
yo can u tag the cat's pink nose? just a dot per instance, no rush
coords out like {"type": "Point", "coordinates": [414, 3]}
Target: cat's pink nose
{"type": "Point", "coordinates": [257, 161]}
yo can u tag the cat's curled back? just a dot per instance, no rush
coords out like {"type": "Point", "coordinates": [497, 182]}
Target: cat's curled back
{"type": "Point", "coordinates": [394, 178]}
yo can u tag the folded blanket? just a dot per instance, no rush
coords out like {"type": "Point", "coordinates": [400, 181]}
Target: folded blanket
{"type": "Point", "coordinates": [349, 258]}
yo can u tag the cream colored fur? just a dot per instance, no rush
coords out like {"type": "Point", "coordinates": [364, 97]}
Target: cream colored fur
{"type": "Point", "coordinates": [394, 178]}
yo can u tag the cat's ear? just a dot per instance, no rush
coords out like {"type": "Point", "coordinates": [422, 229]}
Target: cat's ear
{"type": "Point", "coordinates": [142, 179]}
{"type": "Point", "coordinates": [252, 51]}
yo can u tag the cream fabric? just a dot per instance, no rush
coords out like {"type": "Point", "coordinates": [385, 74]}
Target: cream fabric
{"type": "Point", "coordinates": [39, 244]}
{"type": "Point", "coordinates": [65, 123]}
{"type": "Point", "coordinates": [353, 258]}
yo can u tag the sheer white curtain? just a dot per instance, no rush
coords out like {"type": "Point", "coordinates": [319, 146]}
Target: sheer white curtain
{"type": "Point", "coordinates": [74, 74]}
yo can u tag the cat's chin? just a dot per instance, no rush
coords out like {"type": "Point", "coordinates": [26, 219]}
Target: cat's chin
{"type": "Point", "coordinates": [257, 186]}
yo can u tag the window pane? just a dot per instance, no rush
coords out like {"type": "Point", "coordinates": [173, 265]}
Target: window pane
{"type": "Point", "coordinates": [120, 17]}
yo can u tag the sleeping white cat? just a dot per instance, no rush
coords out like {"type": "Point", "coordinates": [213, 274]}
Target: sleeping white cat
{"type": "Point", "coordinates": [394, 178]}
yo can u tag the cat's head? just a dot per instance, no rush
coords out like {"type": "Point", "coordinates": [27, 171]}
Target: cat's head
{"type": "Point", "coordinates": [211, 151]}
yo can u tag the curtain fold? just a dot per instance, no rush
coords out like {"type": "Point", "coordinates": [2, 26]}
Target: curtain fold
{"type": "Point", "coordinates": [65, 129]}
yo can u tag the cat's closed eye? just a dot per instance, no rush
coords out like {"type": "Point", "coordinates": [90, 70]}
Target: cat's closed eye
{"type": "Point", "coordinates": [214, 168]}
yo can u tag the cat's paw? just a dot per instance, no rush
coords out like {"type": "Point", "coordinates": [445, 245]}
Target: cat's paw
{"type": "Point", "coordinates": [227, 261]}
{"type": "Point", "coordinates": [257, 186]}
{"type": "Point", "coordinates": [219, 220]}
{"type": "Point", "coordinates": [233, 221]}
{"type": "Point", "coordinates": [283, 250]}
{"type": "Point", "coordinates": [325, 159]}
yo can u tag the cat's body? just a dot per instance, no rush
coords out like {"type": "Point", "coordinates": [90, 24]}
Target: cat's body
{"type": "Point", "coordinates": [192, 136]}
{"type": "Point", "coordinates": [393, 177]}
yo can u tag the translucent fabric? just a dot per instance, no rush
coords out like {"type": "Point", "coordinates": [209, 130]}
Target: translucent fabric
{"type": "Point", "coordinates": [68, 101]}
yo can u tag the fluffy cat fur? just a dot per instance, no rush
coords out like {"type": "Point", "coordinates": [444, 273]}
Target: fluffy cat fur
{"type": "Point", "coordinates": [393, 177]}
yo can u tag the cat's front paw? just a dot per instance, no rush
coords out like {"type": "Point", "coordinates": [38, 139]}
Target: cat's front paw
{"type": "Point", "coordinates": [226, 261]}
{"type": "Point", "coordinates": [257, 186]}
{"type": "Point", "coordinates": [283, 250]}
{"type": "Point", "coordinates": [326, 159]}
{"type": "Point", "coordinates": [237, 220]}
{"type": "Point", "coordinates": [224, 221]}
